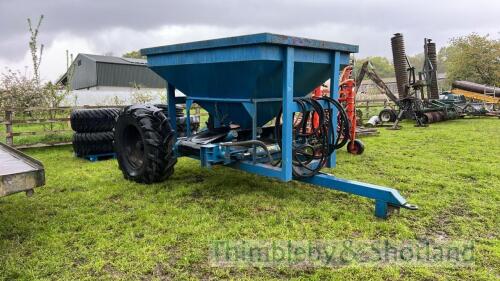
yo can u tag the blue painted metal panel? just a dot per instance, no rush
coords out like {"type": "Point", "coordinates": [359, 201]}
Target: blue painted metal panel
{"type": "Point", "coordinates": [243, 80]}
{"type": "Point", "coordinates": [261, 38]}
{"type": "Point", "coordinates": [250, 70]}
{"type": "Point", "coordinates": [368, 190]}
{"type": "Point", "coordinates": [258, 169]}
{"type": "Point", "coordinates": [211, 154]}
{"type": "Point", "coordinates": [334, 93]}
{"type": "Point", "coordinates": [246, 53]}
{"type": "Point", "coordinates": [287, 103]}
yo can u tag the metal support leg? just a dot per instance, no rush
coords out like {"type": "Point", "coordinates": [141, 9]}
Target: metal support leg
{"type": "Point", "coordinates": [189, 103]}
{"type": "Point", "coordinates": [251, 108]}
{"type": "Point", "coordinates": [287, 136]}
{"type": "Point", "coordinates": [381, 209]}
{"type": "Point", "coordinates": [396, 126]}
{"type": "Point", "coordinates": [171, 107]}
{"type": "Point", "coordinates": [254, 131]}
{"type": "Point", "coordinates": [334, 94]}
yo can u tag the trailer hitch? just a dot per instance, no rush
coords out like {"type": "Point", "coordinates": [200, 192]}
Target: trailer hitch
{"type": "Point", "coordinates": [387, 200]}
{"type": "Point", "coordinates": [410, 206]}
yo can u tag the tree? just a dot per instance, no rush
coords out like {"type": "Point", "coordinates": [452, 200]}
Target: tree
{"type": "Point", "coordinates": [473, 58]}
{"type": "Point", "coordinates": [417, 61]}
{"type": "Point", "coordinates": [139, 96]}
{"type": "Point", "coordinates": [441, 57]}
{"type": "Point", "coordinates": [133, 55]}
{"type": "Point", "coordinates": [19, 90]}
{"type": "Point", "coordinates": [22, 91]}
{"type": "Point", "coordinates": [36, 57]}
{"type": "Point", "coordinates": [382, 65]}
{"type": "Point", "coordinates": [53, 95]}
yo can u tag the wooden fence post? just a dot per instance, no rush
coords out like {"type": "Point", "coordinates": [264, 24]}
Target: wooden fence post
{"type": "Point", "coordinates": [9, 138]}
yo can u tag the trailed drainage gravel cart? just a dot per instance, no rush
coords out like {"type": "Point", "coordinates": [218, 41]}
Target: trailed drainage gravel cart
{"type": "Point", "coordinates": [253, 88]}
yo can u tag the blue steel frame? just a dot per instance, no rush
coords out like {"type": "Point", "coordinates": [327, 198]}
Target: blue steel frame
{"type": "Point", "coordinates": [385, 198]}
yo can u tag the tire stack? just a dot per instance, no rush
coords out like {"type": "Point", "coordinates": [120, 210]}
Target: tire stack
{"type": "Point", "coordinates": [93, 131]}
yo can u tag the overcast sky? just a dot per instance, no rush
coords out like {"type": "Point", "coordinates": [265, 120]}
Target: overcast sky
{"type": "Point", "coordinates": [118, 26]}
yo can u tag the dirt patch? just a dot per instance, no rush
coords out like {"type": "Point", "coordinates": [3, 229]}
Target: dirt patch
{"type": "Point", "coordinates": [196, 179]}
{"type": "Point", "coordinates": [441, 226]}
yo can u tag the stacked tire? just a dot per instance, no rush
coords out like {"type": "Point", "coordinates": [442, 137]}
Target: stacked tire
{"type": "Point", "coordinates": [93, 130]}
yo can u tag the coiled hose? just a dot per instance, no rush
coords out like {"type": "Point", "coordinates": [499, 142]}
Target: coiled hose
{"type": "Point", "coordinates": [313, 145]}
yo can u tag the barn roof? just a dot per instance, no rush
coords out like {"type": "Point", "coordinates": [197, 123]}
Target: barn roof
{"type": "Point", "coordinates": [116, 60]}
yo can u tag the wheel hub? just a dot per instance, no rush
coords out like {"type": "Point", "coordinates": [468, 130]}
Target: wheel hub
{"type": "Point", "coordinates": [134, 147]}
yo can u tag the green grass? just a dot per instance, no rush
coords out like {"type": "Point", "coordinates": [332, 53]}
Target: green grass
{"type": "Point", "coordinates": [89, 223]}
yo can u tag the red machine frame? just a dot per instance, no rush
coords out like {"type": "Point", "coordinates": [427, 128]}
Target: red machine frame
{"type": "Point", "coordinates": [347, 96]}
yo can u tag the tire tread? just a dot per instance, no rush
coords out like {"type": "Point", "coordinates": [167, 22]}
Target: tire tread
{"type": "Point", "coordinates": [158, 137]}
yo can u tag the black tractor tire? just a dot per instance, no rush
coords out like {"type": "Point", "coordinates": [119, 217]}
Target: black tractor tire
{"type": "Point", "coordinates": [85, 144]}
{"type": "Point", "coordinates": [144, 142]}
{"type": "Point", "coordinates": [387, 115]}
{"type": "Point", "coordinates": [93, 120]}
{"type": "Point", "coordinates": [356, 147]}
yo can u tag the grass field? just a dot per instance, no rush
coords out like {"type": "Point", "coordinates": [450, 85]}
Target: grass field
{"type": "Point", "coordinates": [89, 223]}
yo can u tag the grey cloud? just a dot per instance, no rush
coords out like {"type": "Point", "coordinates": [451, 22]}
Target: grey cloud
{"type": "Point", "coordinates": [88, 17]}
